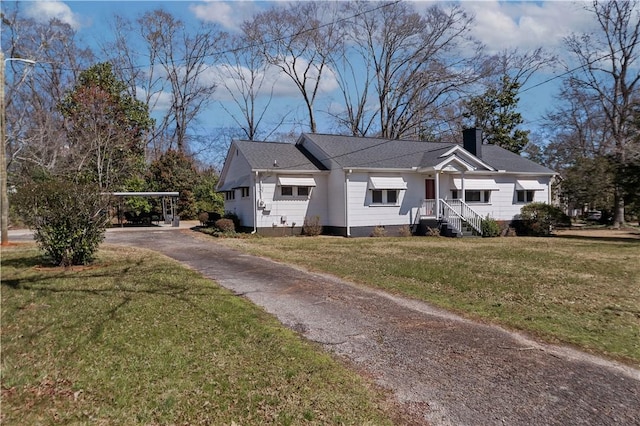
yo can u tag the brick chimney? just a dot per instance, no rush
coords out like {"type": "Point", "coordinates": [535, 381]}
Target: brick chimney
{"type": "Point", "coordinates": [472, 141]}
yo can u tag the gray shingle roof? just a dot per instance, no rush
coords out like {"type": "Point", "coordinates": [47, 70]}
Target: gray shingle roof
{"type": "Point", "coordinates": [502, 159]}
{"type": "Point", "coordinates": [351, 151]}
{"type": "Point", "coordinates": [287, 156]}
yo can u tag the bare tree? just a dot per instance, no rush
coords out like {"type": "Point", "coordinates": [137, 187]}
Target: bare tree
{"type": "Point", "coordinates": [35, 135]}
{"type": "Point", "coordinates": [353, 68]}
{"type": "Point", "coordinates": [416, 62]}
{"type": "Point", "coordinates": [520, 66]}
{"type": "Point", "coordinates": [246, 77]}
{"type": "Point", "coordinates": [298, 40]}
{"type": "Point", "coordinates": [185, 57]}
{"type": "Point", "coordinates": [175, 75]}
{"type": "Point", "coordinates": [608, 75]}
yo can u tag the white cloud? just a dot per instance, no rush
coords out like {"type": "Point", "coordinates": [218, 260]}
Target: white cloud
{"type": "Point", "coordinates": [44, 11]}
{"type": "Point", "coordinates": [274, 81]}
{"type": "Point", "coordinates": [227, 14]}
{"type": "Point", "coordinates": [527, 25]}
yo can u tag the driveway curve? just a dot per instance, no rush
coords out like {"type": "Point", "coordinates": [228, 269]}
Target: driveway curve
{"type": "Point", "coordinates": [440, 368]}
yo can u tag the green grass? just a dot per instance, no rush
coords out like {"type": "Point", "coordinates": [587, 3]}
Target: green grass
{"type": "Point", "coordinates": [576, 291]}
{"type": "Point", "coordinates": [138, 339]}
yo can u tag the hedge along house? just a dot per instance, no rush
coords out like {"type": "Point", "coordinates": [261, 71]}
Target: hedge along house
{"type": "Point", "coordinates": [354, 184]}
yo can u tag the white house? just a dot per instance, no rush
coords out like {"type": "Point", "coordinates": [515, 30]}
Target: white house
{"type": "Point", "coordinates": [355, 184]}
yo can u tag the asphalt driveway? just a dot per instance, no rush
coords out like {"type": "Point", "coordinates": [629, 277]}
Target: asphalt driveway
{"type": "Point", "coordinates": [441, 369]}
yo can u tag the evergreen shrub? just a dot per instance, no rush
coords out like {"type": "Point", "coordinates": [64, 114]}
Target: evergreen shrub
{"type": "Point", "coordinates": [69, 219]}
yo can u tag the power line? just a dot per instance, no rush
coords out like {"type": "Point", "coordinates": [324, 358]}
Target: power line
{"type": "Point", "coordinates": [257, 44]}
{"type": "Point", "coordinates": [588, 64]}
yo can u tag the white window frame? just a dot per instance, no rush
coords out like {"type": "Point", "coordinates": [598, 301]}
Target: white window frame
{"type": "Point", "coordinates": [230, 195]}
{"type": "Point", "coordinates": [384, 197]}
{"type": "Point", "coordinates": [245, 191]}
{"type": "Point", "coordinates": [485, 196]}
{"type": "Point", "coordinates": [297, 192]}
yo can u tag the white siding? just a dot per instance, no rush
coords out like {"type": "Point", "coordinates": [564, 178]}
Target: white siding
{"type": "Point", "coordinates": [284, 212]}
{"type": "Point", "coordinates": [243, 207]}
{"type": "Point", "coordinates": [363, 213]}
{"type": "Point", "coordinates": [335, 198]}
{"type": "Point", "coordinates": [503, 204]}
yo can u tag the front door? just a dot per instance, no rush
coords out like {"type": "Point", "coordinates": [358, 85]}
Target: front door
{"type": "Point", "coordinates": [430, 189]}
{"type": "Point", "coordinates": [430, 196]}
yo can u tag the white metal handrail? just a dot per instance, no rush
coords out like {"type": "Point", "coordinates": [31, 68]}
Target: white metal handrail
{"type": "Point", "coordinates": [462, 212]}
{"type": "Point", "coordinates": [469, 215]}
{"type": "Point", "coordinates": [453, 218]}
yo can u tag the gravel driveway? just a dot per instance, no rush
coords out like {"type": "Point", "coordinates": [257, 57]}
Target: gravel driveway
{"type": "Point", "coordinates": [441, 369]}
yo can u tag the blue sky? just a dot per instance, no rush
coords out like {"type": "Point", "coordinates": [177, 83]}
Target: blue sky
{"type": "Point", "coordinates": [499, 25]}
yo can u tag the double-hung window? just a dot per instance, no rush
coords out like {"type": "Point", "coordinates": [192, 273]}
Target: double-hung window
{"type": "Point", "coordinates": [476, 190]}
{"type": "Point", "coordinates": [296, 187]}
{"type": "Point", "coordinates": [295, 191]}
{"type": "Point", "coordinates": [526, 190]}
{"type": "Point", "coordinates": [476, 196]}
{"type": "Point", "coordinates": [384, 196]}
{"type": "Point", "coordinates": [524, 196]}
{"type": "Point", "coordinates": [386, 190]}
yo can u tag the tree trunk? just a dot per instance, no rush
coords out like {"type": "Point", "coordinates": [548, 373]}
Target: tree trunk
{"type": "Point", "coordinates": [618, 213]}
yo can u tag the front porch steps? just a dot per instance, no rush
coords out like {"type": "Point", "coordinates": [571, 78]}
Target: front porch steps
{"type": "Point", "coordinates": [446, 230]}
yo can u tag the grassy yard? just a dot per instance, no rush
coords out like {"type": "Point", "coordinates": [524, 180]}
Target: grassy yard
{"type": "Point", "coordinates": [577, 291]}
{"type": "Point", "coordinates": [138, 339]}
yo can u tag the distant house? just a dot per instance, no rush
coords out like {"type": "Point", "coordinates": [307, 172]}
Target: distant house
{"type": "Point", "coordinates": [354, 184]}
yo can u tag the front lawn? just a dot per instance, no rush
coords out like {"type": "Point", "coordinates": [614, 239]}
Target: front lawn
{"type": "Point", "coordinates": [584, 292]}
{"type": "Point", "coordinates": [138, 339]}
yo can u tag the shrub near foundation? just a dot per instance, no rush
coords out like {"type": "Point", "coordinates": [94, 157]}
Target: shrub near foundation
{"type": "Point", "coordinates": [312, 226]}
{"type": "Point", "coordinates": [225, 225]}
{"type": "Point", "coordinates": [539, 219]}
{"type": "Point", "coordinates": [490, 228]}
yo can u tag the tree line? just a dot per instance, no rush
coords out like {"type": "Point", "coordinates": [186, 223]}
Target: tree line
{"type": "Point", "coordinates": [125, 115]}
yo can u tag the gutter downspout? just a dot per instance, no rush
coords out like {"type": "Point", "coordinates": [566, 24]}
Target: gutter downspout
{"type": "Point", "coordinates": [255, 205]}
{"type": "Point", "coordinates": [346, 202]}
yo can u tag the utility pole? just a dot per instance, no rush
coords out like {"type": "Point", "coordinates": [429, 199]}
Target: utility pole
{"type": "Point", "coordinates": [4, 197]}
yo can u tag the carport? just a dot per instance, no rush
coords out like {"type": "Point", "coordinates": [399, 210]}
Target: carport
{"type": "Point", "coordinates": [169, 205]}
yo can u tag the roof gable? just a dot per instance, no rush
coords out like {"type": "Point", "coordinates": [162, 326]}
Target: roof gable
{"type": "Point", "coordinates": [259, 156]}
